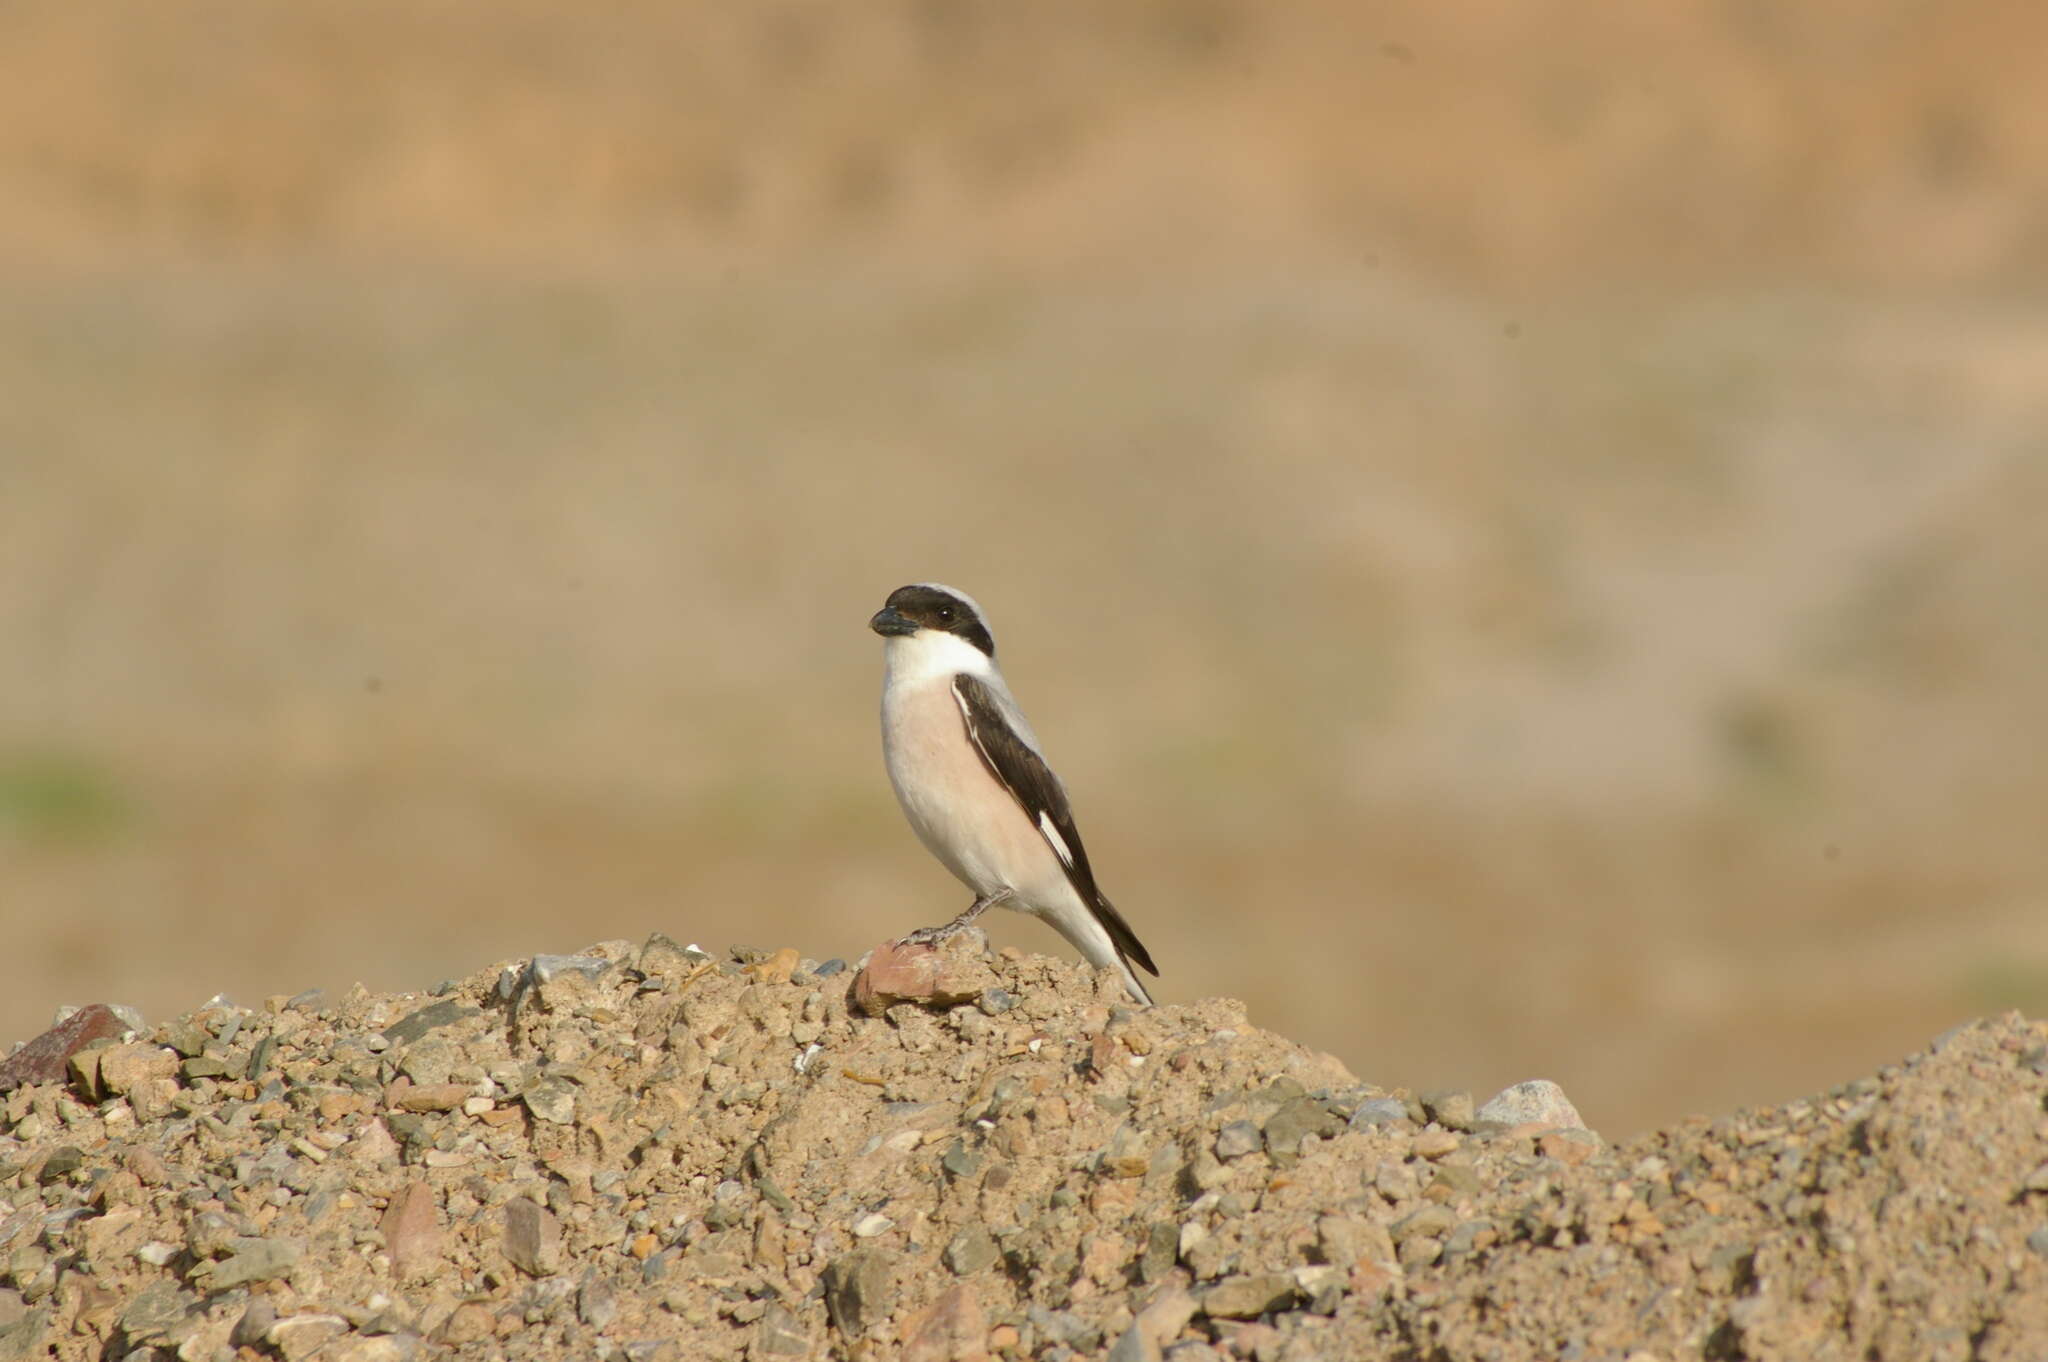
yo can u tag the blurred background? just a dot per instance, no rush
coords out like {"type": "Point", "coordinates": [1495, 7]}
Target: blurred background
{"type": "Point", "coordinates": [1525, 537]}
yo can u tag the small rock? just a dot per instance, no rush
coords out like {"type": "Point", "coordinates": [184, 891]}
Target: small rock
{"type": "Point", "coordinates": [1133, 1346]}
{"type": "Point", "coordinates": [252, 1330]}
{"type": "Point", "coordinates": [1453, 1181]}
{"type": "Point", "coordinates": [412, 1235]}
{"type": "Point", "coordinates": [118, 1070]}
{"type": "Point", "coordinates": [1434, 1144]}
{"type": "Point", "coordinates": [871, 1224]}
{"type": "Point", "coordinates": [46, 1058]}
{"type": "Point", "coordinates": [552, 1100]}
{"type": "Point", "coordinates": [971, 1250]}
{"type": "Point", "coordinates": [533, 1237]}
{"type": "Point", "coordinates": [400, 1347]}
{"type": "Point", "coordinates": [432, 1017]}
{"type": "Point", "coordinates": [1162, 1320]}
{"type": "Point", "coordinates": [952, 1330]}
{"type": "Point", "coordinates": [1569, 1146]}
{"type": "Point", "coordinates": [1379, 1111]}
{"type": "Point", "coordinates": [1538, 1101]}
{"type": "Point", "coordinates": [1249, 1296]}
{"type": "Point", "coordinates": [775, 968]}
{"type": "Point", "coordinates": [2038, 1241]}
{"type": "Point", "coordinates": [960, 1161]}
{"type": "Point", "coordinates": [597, 1305]}
{"type": "Point", "coordinates": [60, 1163]}
{"type": "Point", "coordinates": [147, 1165]}
{"type": "Point", "coordinates": [1450, 1108]}
{"type": "Point", "coordinates": [1127, 1154]}
{"type": "Point", "coordinates": [1294, 1122]}
{"type": "Point", "coordinates": [1348, 1240]}
{"type": "Point", "coordinates": [1237, 1139]}
{"type": "Point", "coordinates": [857, 1289]}
{"type": "Point", "coordinates": [154, 1310]}
{"type": "Point", "coordinates": [1430, 1220]}
{"type": "Point", "coordinates": [1162, 1249]}
{"type": "Point", "coordinates": [781, 1334]}
{"type": "Point", "coordinates": [295, 1336]}
{"type": "Point", "coordinates": [255, 1260]}
{"type": "Point", "coordinates": [427, 1097]}
{"type": "Point", "coordinates": [896, 973]}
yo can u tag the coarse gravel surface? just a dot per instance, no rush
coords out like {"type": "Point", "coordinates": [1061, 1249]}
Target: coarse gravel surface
{"type": "Point", "coordinates": [651, 1153]}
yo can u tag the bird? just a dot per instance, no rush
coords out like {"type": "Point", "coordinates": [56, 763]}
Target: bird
{"type": "Point", "coordinates": [975, 785]}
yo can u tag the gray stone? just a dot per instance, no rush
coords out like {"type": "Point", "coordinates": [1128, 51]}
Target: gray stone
{"type": "Point", "coordinates": [1348, 1240]}
{"type": "Point", "coordinates": [1450, 1108]}
{"type": "Point", "coordinates": [1133, 1346]}
{"type": "Point", "coordinates": [1457, 1179]}
{"type": "Point", "coordinates": [296, 1336]}
{"type": "Point", "coordinates": [1379, 1111]}
{"type": "Point", "coordinates": [252, 1330]}
{"type": "Point", "coordinates": [2038, 1241]}
{"type": "Point", "coordinates": [255, 1260]}
{"type": "Point", "coordinates": [1538, 1101]}
{"type": "Point", "coordinates": [154, 1310]}
{"type": "Point", "coordinates": [597, 1305]}
{"type": "Point", "coordinates": [552, 1100]}
{"type": "Point", "coordinates": [1295, 1121]}
{"type": "Point", "coordinates": [1249, 1296]}
{"type": "Point", "coordinates": [1236, 1140]}
{"type": "Point", "coordinates": [1162, 1248]}
{"type": "Point", "coordinates": [533, 1237]}
{"type": "Point", "coordinates": [857, 1289]}
{"type": "Point", "coordinates": [432, 1017]}
{"type": "Point", "coordinates": [781, 1334]}
{"type": "Point", "coordinates": [971, 1250]}
{"type": "Point", "coordinates": [1430, 1220]}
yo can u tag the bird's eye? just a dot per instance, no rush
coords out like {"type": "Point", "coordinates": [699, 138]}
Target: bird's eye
{"type": "Point", "coordinates": [945, 612]}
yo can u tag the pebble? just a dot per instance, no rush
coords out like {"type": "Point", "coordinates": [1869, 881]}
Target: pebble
{"type": "Point", "coordinates": [297, 1336]}
{"type": "Point", "coordinates": [552, 1100]}
{"type": "Point", "coordinates": [971, 1250]}
{"type": "Point", "coordinates": [1450, 1108]}
{"type": "Point", "coordinates": [1535, 1102]}
{"type": "Point", "coordinates": [533, 1237]}
{"type": "Point", "coordinates": [1379, 1111]}
{"type": "Point", "coordinates": [1238, 1139]}
{"type": "Point", "coordinates": [857, 1289]}
{"type": "Point", "coordinates": [412, 1235]}
{"type": "Point", "coordinates": [953, 1329]}
{"type": "Point", "coordinates": [1248, 1296]}
{"type": "Point", "coordinates": [1296, 1120]}
{"type": "Point", "coordinates": [255, 1260]}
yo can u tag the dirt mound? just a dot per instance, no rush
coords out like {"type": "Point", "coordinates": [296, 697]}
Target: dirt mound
{"type": "Point", "coordinates": [649, 1153]}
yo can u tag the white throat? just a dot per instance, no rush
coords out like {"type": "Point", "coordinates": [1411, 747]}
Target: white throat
{"type": "Point", "coordinates": [912, 659]}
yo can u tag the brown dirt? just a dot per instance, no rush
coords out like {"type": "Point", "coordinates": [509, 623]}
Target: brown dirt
{"type": "Point", "coordinates": [687, 1157]}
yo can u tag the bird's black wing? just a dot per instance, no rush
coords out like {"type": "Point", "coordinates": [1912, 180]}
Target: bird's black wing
{"type": "Point", "coordinates": [1019, 769]}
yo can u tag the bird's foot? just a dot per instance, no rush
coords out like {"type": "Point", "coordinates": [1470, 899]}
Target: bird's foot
{"type": "Point", "coordinates": [936, 936]}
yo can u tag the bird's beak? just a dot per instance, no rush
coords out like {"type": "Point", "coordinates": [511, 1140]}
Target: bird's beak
{"type": "Point", "coordinates": [890, 624]}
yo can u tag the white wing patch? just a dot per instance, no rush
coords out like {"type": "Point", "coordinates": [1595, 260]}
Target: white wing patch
{"type": "Point", "coordinates": [1058, 843]}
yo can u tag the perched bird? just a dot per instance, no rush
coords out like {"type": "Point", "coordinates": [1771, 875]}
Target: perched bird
{"type": "Point", "coordinates": [975, 787]}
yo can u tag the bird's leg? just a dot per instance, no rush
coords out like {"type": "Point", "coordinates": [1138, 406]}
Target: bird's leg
{"type": "Point", "coordinates": [932, 936]}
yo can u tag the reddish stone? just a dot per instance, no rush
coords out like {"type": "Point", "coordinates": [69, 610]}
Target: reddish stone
{"type": "Point", "coordinates": [897, 973]}
{"type": "Point", "coordinates": [953, 1330]}
{"type": "Point", "coordinates": [43, 1059]}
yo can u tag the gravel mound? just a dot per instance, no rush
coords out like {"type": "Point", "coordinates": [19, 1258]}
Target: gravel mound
{"type": "Point", "coordinates": [651, 1153]}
